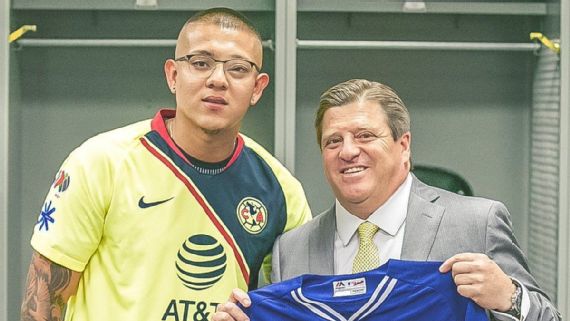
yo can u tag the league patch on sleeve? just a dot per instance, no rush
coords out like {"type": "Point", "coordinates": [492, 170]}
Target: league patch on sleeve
{"type": "Point", "coordinates": [46, 218]}
{"type": "Point", "coordinates": [61, 182]}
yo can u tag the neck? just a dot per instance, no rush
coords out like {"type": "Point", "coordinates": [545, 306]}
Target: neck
{"type": "Point", "coordinates": [207, 146]}
{"type": "Point", "coordinates": [361, 210]}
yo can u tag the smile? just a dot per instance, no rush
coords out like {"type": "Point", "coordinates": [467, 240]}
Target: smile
{"type": "Point", "coordinates": [353, 170]}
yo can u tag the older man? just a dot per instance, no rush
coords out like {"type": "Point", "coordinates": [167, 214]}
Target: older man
{"type": "Point", "coordinates": [363, 129]}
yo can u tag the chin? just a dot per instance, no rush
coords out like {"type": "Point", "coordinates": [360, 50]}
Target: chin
{"type": "Point", "coordinates": [354, 197]}
{"type": "Point", "coordinates": [212, 131]}
{"type": "Point", "coordinates": [212, 127]}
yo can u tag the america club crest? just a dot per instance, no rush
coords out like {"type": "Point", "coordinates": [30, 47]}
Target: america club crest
{"type": "Point", "coordinates": [252, 215]}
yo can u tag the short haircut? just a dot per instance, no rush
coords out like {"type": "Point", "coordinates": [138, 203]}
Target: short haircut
{"type": "Point", "coordinates": [225, 18]}
{"type": "Point", "coordinates": [360, 89]}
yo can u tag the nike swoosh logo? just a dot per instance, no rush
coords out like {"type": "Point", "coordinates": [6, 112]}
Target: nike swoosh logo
{"type": "Point", "coordinates": [143, 204]}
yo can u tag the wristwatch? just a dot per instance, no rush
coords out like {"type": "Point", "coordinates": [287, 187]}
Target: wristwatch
{"type": "Point", "coordinates": [516, 301]}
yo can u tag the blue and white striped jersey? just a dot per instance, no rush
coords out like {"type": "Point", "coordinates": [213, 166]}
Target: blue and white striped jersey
{"type": "Point", "coordinates": [397, 291]}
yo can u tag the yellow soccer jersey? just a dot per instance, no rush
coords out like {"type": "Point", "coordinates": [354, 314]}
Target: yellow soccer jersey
{"type": "Point", "coordinates": [156, 239]}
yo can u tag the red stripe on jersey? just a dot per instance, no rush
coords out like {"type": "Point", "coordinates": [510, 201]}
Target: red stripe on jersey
{"type": "Point", "coordinates": [158, 124]}
{"type": "Point", "coordinates": [237, 152]}
{"type": "Point", "coordinates": [202, 203]}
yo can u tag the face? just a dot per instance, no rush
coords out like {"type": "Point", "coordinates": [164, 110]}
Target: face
{"type": "Point", "coordinates": [362, 162]}
{"type": "Point", "coordinates": [217, 103]}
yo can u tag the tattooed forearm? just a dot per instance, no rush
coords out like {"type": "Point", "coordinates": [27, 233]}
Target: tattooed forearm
{"type": "Point", "coordinates": [49, 286]}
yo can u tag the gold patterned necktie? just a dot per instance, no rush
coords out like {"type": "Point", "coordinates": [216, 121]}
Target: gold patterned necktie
{"type": "Point", "coordinates": [367, 257]}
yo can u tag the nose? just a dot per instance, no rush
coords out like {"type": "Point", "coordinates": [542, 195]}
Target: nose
{"type": "Point", "coordinates": [218, 77]}
{"type": "Point", "coordinates": [349, 150]}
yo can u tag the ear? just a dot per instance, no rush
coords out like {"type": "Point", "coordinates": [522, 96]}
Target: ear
{"type": "Point", "coordinates": [261, 81]}
{"type": "Point", "coordinates": [405, 143]}
{"type": "Point", "coordinates": [170, 74]}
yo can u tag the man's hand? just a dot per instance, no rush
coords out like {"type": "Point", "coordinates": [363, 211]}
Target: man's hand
{"type": "Point", "coordinates": [479, 278]}
{"type": "Point", "coordinates": [229, 311]}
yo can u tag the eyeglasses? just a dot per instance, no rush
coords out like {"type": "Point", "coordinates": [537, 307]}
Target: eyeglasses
{"type": "Point", "coordinates": [203, 66]}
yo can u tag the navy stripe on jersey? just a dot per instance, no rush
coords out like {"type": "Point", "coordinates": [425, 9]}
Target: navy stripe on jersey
{"type": "Point", "coordinates": [248, 176]}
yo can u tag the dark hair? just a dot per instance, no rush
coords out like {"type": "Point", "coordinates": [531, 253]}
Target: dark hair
{"type": "Point", "coordinates": [224, 17]}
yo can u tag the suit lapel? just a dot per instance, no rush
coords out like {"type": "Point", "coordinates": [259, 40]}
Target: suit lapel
{"type": "Point", "coordinates": [321, 245]}
{"type": "Point", "coordinates": [423, 215]}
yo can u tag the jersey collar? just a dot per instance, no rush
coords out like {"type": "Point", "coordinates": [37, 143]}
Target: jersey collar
{"type": "Point", "coordinates": [158, 124]}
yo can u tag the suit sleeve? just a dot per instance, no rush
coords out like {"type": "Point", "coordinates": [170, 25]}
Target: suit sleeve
{"type": "Point", "coordinates": [275, 264]}
{"type": "Point", "coordinates": [504, 249]}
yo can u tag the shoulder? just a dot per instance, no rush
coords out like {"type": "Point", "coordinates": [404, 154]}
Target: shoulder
{"type": "Point", "coordinates": [297, 204]}
{"type": "Point", "coordinates": [461, 205]}
{"type": "Point", "coordinates": [279, 169]}
{"type": "Point", "coordinates": [316, 225]}
{"type": "Point", "coordinates": [100, 157]}
{"type": "Point", "coordinates": [117, 139]}
{"type": "Point", "coordinates": [112, 144]}
{"type": "Point", "coordinates": [470, 215]}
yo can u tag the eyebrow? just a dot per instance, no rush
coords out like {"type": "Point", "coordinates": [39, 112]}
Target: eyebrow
{"type": "Point", "coordinates": [324, 136]}
{"type": "Point", "coordinates": [209, 54]}
{"type": "Point", "coordinates": [201, 52]}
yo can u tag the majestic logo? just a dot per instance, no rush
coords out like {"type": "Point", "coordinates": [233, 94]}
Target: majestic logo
{"type": "Point", "coordinates": [45, 216]}
{"type": "Point", "coordinates": [201, 262]}
{"type": "Point", "coordinates": [252, 215]}
{"type": "Point", "coordinates": [349, 287]}
{"type": "Point", "coordinates": [61, 181]}
{"type": "Point", "coordinates": [143, 204]}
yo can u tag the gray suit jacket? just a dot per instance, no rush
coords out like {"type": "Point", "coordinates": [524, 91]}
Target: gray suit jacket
{"type": "Point", "coordinates": [439, 225]}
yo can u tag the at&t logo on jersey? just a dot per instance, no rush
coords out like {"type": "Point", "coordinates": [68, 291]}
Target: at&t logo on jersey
{"type": "Point", "coordinates": [252, 215]}
{"type": "Point", "coordinates": [201, 262]}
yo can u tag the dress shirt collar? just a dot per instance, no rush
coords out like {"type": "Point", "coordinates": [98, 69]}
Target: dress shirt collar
{"type": "Point", "coordinates": [389, 217]}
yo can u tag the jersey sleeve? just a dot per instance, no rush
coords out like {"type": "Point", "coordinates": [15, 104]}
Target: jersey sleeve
{"type": "Point", "coordinates": [71, 220]}
{"type": "Point", "coordinates": [298, 211]}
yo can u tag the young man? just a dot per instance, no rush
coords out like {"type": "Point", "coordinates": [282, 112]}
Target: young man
{"type": "Point", "coordinates": [159, 220]}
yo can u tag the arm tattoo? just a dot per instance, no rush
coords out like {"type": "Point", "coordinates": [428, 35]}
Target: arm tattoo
{"type": "Point", "coordinates": [48, 289]}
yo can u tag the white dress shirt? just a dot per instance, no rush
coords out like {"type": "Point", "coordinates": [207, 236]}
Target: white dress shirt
{"type": "Point", "coordinates": [391, 219]}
